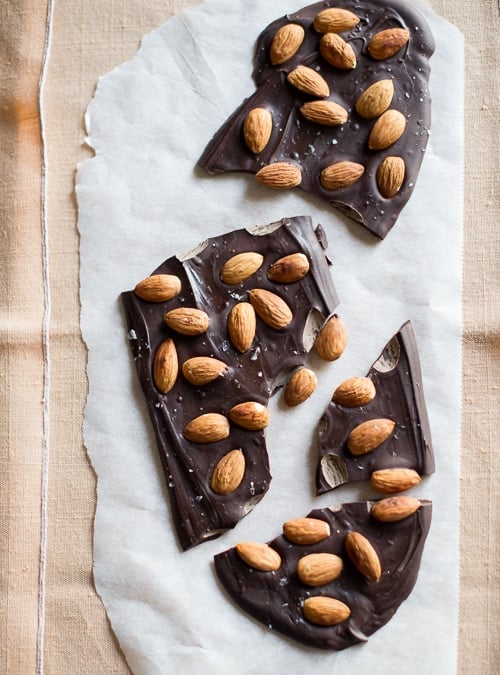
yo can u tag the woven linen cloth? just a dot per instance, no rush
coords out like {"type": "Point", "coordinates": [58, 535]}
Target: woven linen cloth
{"type": "Point", "coordinates": [52, 53]}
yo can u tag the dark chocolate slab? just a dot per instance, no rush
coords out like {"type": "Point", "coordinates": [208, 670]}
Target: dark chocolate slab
{"type": "Point", "coordinates": [397, 377]}
{"type": "Point", "coordinates": [312, 146]}
{"type": "Point", "coordinates": [276, 598]}
{"type": "Point", "coordinates": [198, 512]}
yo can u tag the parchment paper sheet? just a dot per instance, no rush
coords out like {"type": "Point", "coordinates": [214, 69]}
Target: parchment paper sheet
{"type": "Point", "coordinates": [140, 201]}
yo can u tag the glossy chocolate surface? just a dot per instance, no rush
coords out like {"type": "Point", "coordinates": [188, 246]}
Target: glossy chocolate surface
{"type": "Point", "coordinates": [398, 382]}
{"type": "Point", "coordinates": [198, 512]}
{"type": "Point", "coordinates": [276, 598]}
{"type": "Point", "coordinates": [312, 146]}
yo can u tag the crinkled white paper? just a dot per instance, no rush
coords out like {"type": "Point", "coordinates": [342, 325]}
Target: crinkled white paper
{"type": "Point", "coordinates": [141, 200]}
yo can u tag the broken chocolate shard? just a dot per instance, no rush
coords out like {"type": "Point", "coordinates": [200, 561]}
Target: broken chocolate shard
{"type": "Point", "coordinates": [373, 71]}
{"type": "Point", "coordinates": [332, 600]}
{"type": "Point", "coordinates": [405, 452]}
{"type": "Point", "coordinates": [194, 376]}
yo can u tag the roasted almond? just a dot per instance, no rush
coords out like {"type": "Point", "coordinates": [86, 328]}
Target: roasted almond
{"type": "Point", "coordinates": [375, 99]}
{"type": "Point", "coordinates": [363, 555]}
{"type": "Point", "coordinates": [228, 473]}
{"type": "Point", "coordinates": [392, 509]}
{"type": "Point", "coordinates": [165, 366]}
{"type": "Point", "coordinates": [388, 42]}
{"type": "Point", "coordinates": [240, 267]}
{"type": "Point", "coordinates": [280, 175]}
{"type": "Point", "coordinates": [273, 311]}
{"type": "Point", "coordinates": [317, 569]}
{"type": "Point", "coordinates": [325, 611]}
{"type": "Point", "coordinates": [158, 288]}
{"type": "Point", "coordinates": [289, 269]}
{"type": "Point", "coordinates": [331, 340]}
{"type": "Point", "coordinates": [354, 392]}
{"type": "Point", "coordinates": [341, 175]}
{"type": "Point", "coordinates": [309, 81]}
{"type": "Point", "coordinates": [241, 324]}
{"type": "Point", "coordinates": [390, 176]}
{"type": "Point", "coordinates": [207, 428]}
{"type": "Point", "coordinates": [259, 556]}
{"type": "Point", "coordinates": [328, 113]}
{"type": "Point", "coordinates": [387, 130]}
{"type": "Point", "coordinates": [337, 52]}
{"type": "Point", "coordinates": [300, 386]}
{"type": "Point", "coordinates": [335, 20]}
{"type": "Point", "coordinates": [200, 370]}
{"type": "Point", "coordinates": [394, 480]}
{"type": "Point", "coordinates": [306, 530]}
{"type": "Point", "coordinates": [286, 43]}
{"type": "Point", "coordinates": [368, 435]}
{"type": "Point", "coordinates": [187, 320]}
{"type": "Point", "coordinates": [250, 415]}
{"type": "Point", "coordinates": [257, 129]}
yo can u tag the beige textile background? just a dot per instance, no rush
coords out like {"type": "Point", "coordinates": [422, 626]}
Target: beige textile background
{"type": "Point", "coordinates": [89, 38]}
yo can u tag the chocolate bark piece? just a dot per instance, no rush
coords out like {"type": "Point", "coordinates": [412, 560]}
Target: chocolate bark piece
{"type": "Point", "coordinates": [203, 410]}
{"type": "Point", "coordinates": [366, 165]}
{"type": "Point", "coordinates": [279, 598]}
{"type": "Point", "coordinates": [399, 398]}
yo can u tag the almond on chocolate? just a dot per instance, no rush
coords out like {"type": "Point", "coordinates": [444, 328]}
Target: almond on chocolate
{"type": "Point", "coordinates": [231, 329]}
{"type": "Point", "coordinates": [336, 589]}
{"type": "Point", "coordinates": [353, 84]}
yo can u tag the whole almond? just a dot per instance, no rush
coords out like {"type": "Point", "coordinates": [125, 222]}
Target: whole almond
{"type": "Point", "coordinates": [165, 366]}
{"type": "Point", "coordinates": [280, 175]}
{"type": "Point", "coordinates": [259, 556]}
{"type": "Point", "coordinates": [387, 130]}
{"type": "Point", "coordinates": [187, 320]}
{"type": "Point", "coordinates": [228, 473]}
{"type": "Point", "coordinates": [331, 340]}
{"type": "Point", "coordinates": [289, 269]}
{"type": "Point", "coordinates": [393, 509]}
{"type": "Point", "coordinates": [305, 531]}
{"type": "Point", "coordinates": [341, 175]}
{"type": "Point", "coordinates": [207, 428]}
{"type": "Point", "coordinates": [158, 288]}
{"type": "Point", "coordinates": [327, 113]}
{"type": "Point", "coordinates": [240, 267]}
{"type": "Point", "coordinates": [250, 415]}
{"type": "Point", "coordinates": [325, 611]}
{"type": "Point", "coordinates": [335, 20]}
{"type": "Point", "coordinates": [200, 370]}
{"type": "Point", "coordinates": [388, 42]}
{"type": "Point", "coordinates": [317, 569]}
{"type": "Point", "coordinates": [257, 129]}
{"type": "Point", "coordinates": [363, 555]}
{"type": "Point", "coordinates": [337, 52]}
{"type": "Point", "coordinates": [390, 176]}
{"type": "Point", "coordinates": [286, 43]}
{"type": "Point", "coordinates": [375, 99]}
{"type": "Point", "coordinates": [368, 435]}
{"type": "Point", "coordinates": [300, 386]}
{"type": "Point", "coordinates": [394, 480]}
{"type": "Point", "coordinates": [273, 311]}
{"type": "Point", "coordinates": [309, 81]}
{"type": "Point", "coordinates": [241, 324]}
{"type": "Point", "coordinates": [354, 392]}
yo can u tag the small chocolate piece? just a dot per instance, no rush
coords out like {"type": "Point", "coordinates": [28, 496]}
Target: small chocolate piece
{"type": "Point", "coordinates": [377, 427]}
{"type": "Point", "coordinates": [347, 91]}
{"type": "Point", "coordinates": [337, 591]}
{"type": "Point", "coordinates": [208, 359]}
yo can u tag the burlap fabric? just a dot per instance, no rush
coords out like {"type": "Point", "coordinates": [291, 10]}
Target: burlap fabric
{"type": "Point", "coordinates": [60, 626]}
